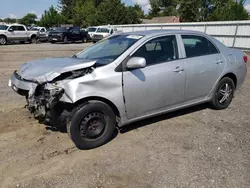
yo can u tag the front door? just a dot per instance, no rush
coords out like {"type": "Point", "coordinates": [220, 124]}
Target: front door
{"type": "Point", "coordinates": [160, 84]}
{"type": "Point", "coordinates": [203, 66]}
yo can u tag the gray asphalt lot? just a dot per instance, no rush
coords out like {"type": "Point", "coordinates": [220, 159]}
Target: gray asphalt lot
{"type": "Point", "coordinates": [195, 147]}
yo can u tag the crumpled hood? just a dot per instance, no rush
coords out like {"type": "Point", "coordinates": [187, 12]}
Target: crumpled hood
{"type": "Point", "coordinates": [46, 70]}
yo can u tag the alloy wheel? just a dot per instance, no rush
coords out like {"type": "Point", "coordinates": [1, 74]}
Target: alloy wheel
{"type": "Point", "coordinates": [225, 93]}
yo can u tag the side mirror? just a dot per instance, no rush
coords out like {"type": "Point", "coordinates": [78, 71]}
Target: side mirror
{"type": "Point", "coordinates": [10, 30]}
{"type": "Point", "coordinates": [136, 63]}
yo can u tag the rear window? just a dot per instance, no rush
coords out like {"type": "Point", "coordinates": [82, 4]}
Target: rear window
{"type": "Point", "coordinates": [198, 46]}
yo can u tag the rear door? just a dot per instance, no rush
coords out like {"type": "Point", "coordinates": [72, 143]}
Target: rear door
{"type": "Point", "coordinates": [75, 34]}
{"type": "Point", "coordinates": [203, 66]}
{"type": "Point", "coordinates": [21, 33]}
{"type": "Point", "coordinates": [160, 84]}
{"type": "Point", "coordinates": [42, 33]}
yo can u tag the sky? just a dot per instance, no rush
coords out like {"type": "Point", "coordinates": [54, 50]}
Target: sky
{"type": "Point", "coordinates": [19, 8]}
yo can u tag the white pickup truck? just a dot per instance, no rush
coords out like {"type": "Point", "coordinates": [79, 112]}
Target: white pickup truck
{"type": "Point", "coordinates": [16, 32]}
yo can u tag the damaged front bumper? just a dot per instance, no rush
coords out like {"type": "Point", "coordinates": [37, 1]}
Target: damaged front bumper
{"type": "Point", "coordinates": [41, 98]}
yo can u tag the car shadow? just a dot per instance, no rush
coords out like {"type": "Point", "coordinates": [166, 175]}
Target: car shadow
{"type": "Point", "coordinates": [138, 124]}
{"type": "Point", "coordinates": [162, 117]}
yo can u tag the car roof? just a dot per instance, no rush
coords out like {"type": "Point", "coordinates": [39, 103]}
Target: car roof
{"type": "Point", "coordinates": [163, 31]}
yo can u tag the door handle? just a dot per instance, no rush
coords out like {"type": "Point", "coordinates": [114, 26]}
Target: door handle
{"type": "Point", "coordinates": [178, 69]}
{"type": "Point", "coordinates": [218, 62]}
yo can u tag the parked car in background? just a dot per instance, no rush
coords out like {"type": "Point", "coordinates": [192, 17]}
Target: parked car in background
{"type": "Point", "coordinates": [42, 33]}
{"type": "Point", "coordinates": [17, 33]}
{"type": "Point", "coordinates": [91, 31]}
{"type": "Point", "coordinates": [65, 35]}
{"type": "Point", "coordinates": [103, 32]}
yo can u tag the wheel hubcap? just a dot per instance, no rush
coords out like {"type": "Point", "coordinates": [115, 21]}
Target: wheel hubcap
{"type": "Point", "coordinates": [225, 93]}
{"type": "Point", "coordinates": [93, 125]}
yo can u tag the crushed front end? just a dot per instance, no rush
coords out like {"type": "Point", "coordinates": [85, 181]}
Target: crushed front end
{"type": "Point", "coordinates": [41, 98]}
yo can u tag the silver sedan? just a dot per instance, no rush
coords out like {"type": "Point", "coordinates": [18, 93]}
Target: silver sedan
{"type": "Point", "coordinates": [129, 77]}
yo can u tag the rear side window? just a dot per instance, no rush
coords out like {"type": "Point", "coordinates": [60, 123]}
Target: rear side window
{"type": "Point", "coordinates": [198, 46]}
{"type": "Point", "coordinates": [158, 50]}
{"type": "Point", "coordinates": [20, 28]}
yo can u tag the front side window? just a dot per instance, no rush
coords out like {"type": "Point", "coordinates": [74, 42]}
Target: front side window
{"type": "Point", "coordinates": [13, 28]}
{"type": "Point", "coordinates": [159, 50]}
{"type": "Point", "coordinates": [42, 30]}
{"type": "Point", "coordinates": [108, 50]}
{"type": "Point", "coordinates": [198, 46]}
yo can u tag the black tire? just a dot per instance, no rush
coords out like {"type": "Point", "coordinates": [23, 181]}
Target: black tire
{"type": "Point", "coordinates": [91, 125]}
{"type": "Point", "coordinates": [52, 42]}
{"type": "Point", "coordinates": [223, 97]}
{"type": "Point", "coordinates": [84, 40]}
{"type": "Point", "coordinates": [22, 42]}
{"type": "Point", "coordinates": [65, 40]}
{"type": "Point", "coordinates": [33, 40]}
{"type": "Point", "coordinates": [3, 40]}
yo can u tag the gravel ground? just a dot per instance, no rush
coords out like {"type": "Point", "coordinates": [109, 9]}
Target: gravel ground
{"type": "Point", "coordinates": [196, 147]}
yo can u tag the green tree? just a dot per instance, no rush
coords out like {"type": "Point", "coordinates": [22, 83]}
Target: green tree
{"type": "Point", "coordinates": [139, 11]}
{"type": "Point", "coordinates": [200, 10]}
{"type": "Point", "coordinates": [228, 10]}
{"type": "Point", "coordinates": [67, 9]}
{"type": "Point", "coordinates": [10, 20]}
{"type": "Point", "coordinates": [28, 19]}
{"type": "Point", "coordinates": [51, 18]}
{"type": "Point", "coordinates": [114, 12]}
{"type": "Point", "coordinates": [85, 13]}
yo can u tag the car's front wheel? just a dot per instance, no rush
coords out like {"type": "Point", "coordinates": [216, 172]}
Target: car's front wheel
{"type": "Point", "coordinates": [224, 94]}
{"type": "Point", "coordinates": [91, 124]}
{"type": "Point", "coordinates": [3, 40]}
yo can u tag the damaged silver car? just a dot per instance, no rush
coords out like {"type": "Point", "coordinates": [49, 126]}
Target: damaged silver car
{"type": "Point", "coordinates": [129, 77]}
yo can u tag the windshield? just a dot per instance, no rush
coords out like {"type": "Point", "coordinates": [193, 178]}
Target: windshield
{"type": "Point", "coordinates": [34, 29]}
{"type": "Point", "coordinates": [3, 27]}
{"type": "Point", "coordinates": [91, 29]}
{"type": "Point", "coordinates": [108, 50]}
{"type": "Point", "coordinates": [60, 29]}
{"type": "Point", "coordinates": [103, 30]}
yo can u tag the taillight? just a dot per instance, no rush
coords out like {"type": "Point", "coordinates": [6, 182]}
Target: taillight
{"type": "Point", "coordinates": [245, 59]}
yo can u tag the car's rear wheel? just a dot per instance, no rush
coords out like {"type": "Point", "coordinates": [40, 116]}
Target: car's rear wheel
{"type": "Point", "coordinates": [84, 40]}
{"type": "Point", "coordinates": [3, 40]}
{"type": "Point", "coordinates": [91, 124]}
{"type": "Point", "coordinates": [33, 40]}
{"type": "Point", "coordinates": [65, 40]}
{"type": "Point", "coordinates": [224, 94]}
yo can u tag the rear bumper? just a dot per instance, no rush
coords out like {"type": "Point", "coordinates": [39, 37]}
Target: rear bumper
{"type": "Point", "coordinates": [21, 86]}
